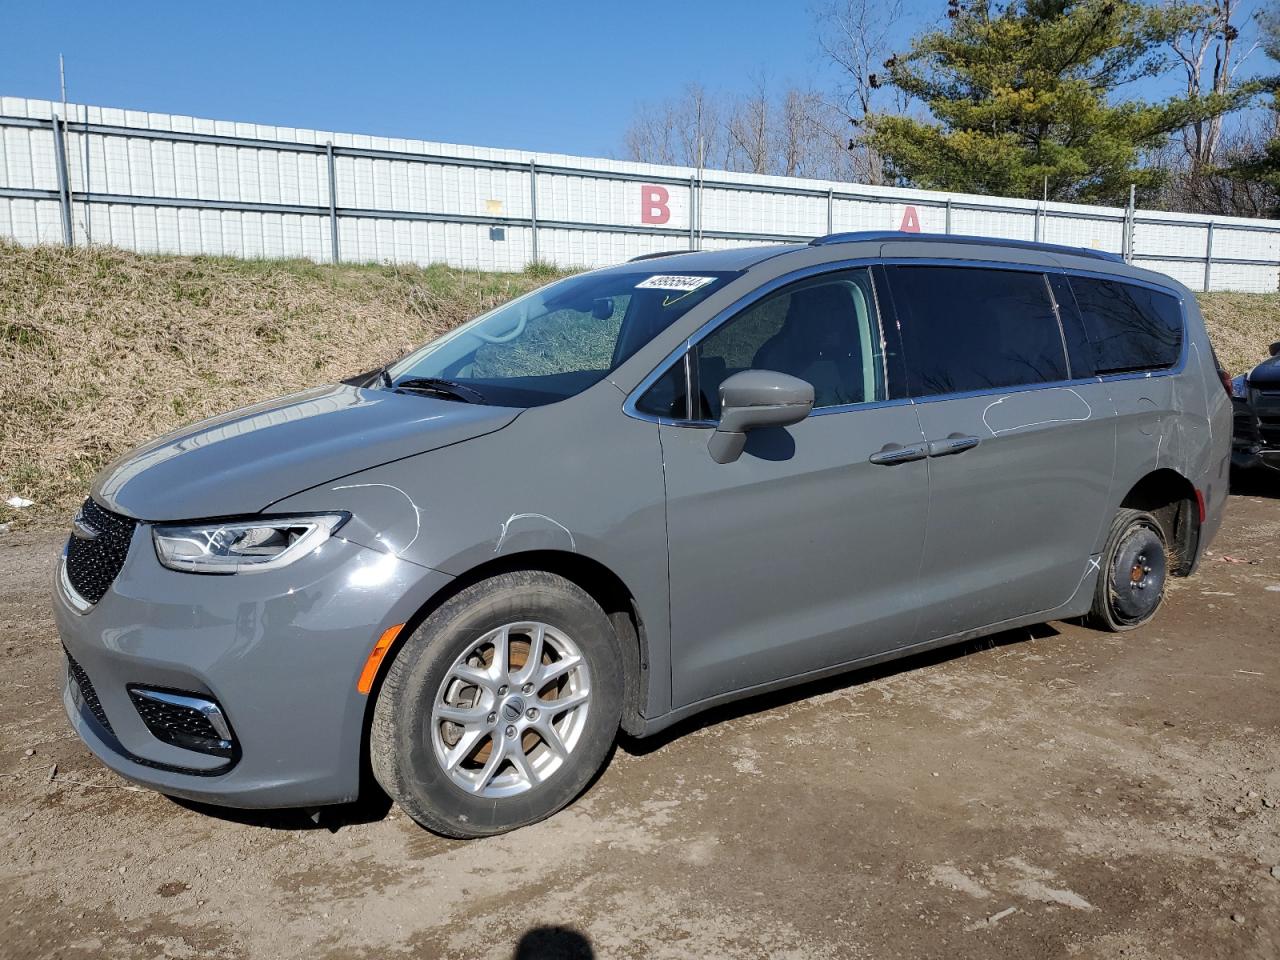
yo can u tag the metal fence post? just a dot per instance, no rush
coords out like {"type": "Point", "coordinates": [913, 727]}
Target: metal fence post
{"type": "Point", "coordinates": [831, 199]}
{"type": "Point", "coordinates": [1208, 257]}
{"type": "Point", "coordinates": [533, 207]}
{"type": "Point", "coordinates": [64, 181]}
{"type": "Point", "coordinates": [333, 204]}
{"type": "Point", "coordinates": [693, 205]}
{"type": "Point", "coordinates": [948, 228]}
{"type": "Point", "coordinates": [1126, 240]}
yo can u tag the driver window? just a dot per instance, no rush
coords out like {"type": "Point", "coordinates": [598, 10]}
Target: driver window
{"type": "Point", "coordinates": [823, 330]}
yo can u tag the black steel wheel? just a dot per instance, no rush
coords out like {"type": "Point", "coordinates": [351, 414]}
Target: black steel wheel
{"type": "Point", "coordinates": [1134, 572]}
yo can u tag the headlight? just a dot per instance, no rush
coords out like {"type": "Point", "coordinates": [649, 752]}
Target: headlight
{"type": "Point", "coordinates": [1240, 389]}
{"type": "Point", "coordinates": [246, 546]}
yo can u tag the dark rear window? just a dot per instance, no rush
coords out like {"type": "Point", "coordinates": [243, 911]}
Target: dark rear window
{"type": "Point", "coordinates": [1130, 328]}
{"type": "Point", "coordinates": [972, 328]}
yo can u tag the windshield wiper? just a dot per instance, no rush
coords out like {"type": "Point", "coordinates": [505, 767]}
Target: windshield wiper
{"type": "Point", "coordinates": [440, 387]}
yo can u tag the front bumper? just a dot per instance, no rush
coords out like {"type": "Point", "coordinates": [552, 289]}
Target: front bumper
{"type": "Point", "coordinates": [279, 651]}
{"type": "Point", "coordinates": [1255, 459]}
{"type": "Point", "coordinates": [1255, 441]}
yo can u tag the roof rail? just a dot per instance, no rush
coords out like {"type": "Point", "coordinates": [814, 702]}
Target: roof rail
{"type": "Point", "coordinates": [886, 235]}
{"type": "Point", "coordinates": [660, 253]}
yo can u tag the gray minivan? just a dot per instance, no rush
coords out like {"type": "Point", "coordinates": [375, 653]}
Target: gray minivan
{"type": "Point", "coordinates": [631, 495]}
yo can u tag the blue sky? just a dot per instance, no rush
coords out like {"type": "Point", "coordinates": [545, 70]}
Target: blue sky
{"type": "Point", "coordinates": [556, 76]}
{"type": "Point", "coordinates": [562, 76]}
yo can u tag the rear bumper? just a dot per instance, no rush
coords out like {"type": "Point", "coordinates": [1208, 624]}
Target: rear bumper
{"type": "Point", "coordinates": [280, 652]}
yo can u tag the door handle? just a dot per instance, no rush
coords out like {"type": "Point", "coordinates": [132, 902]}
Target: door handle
{"type": "Point", "coordinates": [953, 443]}
{"type": "Point", "coordinates": [892, 453]}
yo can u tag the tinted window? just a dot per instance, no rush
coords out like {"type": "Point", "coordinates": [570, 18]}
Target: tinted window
{"type": "Point", "coordinates": [968, 328]}
{"type": "Point", "coordinates": [822, 330]}
{"type": "Point", "coordinates": [1129, 327]}
{"type": "Point", "coordinates": [668, 396]}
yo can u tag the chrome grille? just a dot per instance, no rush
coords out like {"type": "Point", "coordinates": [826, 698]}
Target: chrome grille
{"type": "Point", "coordinates": [97, 550]}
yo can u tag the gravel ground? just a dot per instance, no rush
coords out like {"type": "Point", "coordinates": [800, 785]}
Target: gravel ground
{"type": "Point", "coordinates": [1055, 792]}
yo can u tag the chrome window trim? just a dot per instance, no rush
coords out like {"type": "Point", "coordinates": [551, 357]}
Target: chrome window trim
{"type": "Point", "coordinates": [832, 266]}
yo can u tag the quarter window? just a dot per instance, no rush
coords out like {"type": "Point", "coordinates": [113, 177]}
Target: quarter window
{"type": "Point", "coordinates": [1129, 327]}
{"type": "Point", "coordinates": [668, 396]}
{"type": "Point", "coordinates": [972, 328]}
{"type": "Point", "coordinates": [823, 330]}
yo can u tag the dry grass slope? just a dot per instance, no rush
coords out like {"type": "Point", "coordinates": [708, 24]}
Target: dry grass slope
{"type": "Point", "coordinates": [102, 349]}
{"type": "Point", "coordinates": [1242, 326]}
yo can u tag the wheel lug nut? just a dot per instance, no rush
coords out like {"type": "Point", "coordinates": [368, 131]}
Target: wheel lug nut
{"type": "Point", "coordinates": [527, 688]}
{"type": "Point", "coordinates": [493, 718]}
{"type": "Point", "coordinates": [511, 731]}
{"type": "Point", "coordinates": [531, 713]}
{"type": "Point", "coordinates": [502, 690]}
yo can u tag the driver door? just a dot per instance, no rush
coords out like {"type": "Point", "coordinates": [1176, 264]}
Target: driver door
{"type": "Point", "coordinates": [803, 554]}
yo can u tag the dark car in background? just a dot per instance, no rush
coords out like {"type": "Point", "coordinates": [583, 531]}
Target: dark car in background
{"type": "Point", "coordinates": [1255, 400]}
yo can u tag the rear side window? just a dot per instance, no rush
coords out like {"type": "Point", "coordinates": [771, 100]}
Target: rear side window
{"type": "Point", "coordinates": [971, 328]}
{"type": "Point", "coordinates": [1129, 327]}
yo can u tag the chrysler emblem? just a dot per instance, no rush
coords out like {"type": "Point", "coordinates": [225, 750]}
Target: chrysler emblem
{"type": "Point", "coordinates": [82, 529]}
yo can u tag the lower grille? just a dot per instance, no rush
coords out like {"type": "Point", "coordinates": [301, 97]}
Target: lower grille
{"type": "Point", "coordinates": [97, 550]}
{"type": "Point", "coordinates": [1245, 427]}
{"type": "Point", "coordinates": [184, 720]}
{"type": "Point", "coordinates": [88, 694]}
{"type": "Point", "coordinates": [1270, 432]}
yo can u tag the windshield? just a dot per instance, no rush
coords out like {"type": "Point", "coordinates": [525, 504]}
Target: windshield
{"type": "Point", "coordinates": [554, 342]}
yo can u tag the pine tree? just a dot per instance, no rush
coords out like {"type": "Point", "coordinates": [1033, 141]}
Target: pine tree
{"type": "Point", "coordinates": [1026, 90]}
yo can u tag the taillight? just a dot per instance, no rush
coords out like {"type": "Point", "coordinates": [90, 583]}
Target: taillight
{"type": "Point", "coordinates": [1226, 380]}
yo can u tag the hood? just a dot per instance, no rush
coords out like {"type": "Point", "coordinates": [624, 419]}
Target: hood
{"type": "Point", "coordinates": [242, 461]}
{"type": "Point", "coordinates": [1266, 374]}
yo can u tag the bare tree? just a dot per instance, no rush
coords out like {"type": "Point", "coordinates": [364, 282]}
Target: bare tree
{"type": "Point", "coordinates": [750, 128]}
{"type": "Point", "coordinates": [810, 138]}
{"type": "Point", "coordinates": [1206, 48]}
{"type": "Point", "coordinates": [796, 133]}
{"type": "Point", "coordinates": [856, 35]}
{"type": "Point", "coordinates": [674, 130]}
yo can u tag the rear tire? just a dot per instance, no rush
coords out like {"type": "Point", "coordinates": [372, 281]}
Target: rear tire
{"type": "Point", "coordinates": [1134, 573]}
{"type": "Point", "coordinates": [469, 736]}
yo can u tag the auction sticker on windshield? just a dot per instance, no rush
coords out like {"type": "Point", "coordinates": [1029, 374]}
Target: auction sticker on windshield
{"type": "Point", "coordinates": [673, 282]}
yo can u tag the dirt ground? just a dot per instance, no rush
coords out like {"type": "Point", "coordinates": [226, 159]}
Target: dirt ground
{"type": "Point", "coordinates": [1048, 793]}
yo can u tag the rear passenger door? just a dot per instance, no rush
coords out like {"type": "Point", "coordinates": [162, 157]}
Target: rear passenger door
{"type": "Point", "coordinates": [1021, 451]}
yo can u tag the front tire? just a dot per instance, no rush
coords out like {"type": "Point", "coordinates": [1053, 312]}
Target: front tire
{"type": "Point", "coordinates": [500, 707]}
{"type": "Point", "coordinates": [1134, 575]}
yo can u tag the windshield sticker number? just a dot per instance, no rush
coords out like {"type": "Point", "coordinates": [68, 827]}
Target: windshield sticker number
{"type": "Point", "coordinates": [684, 284]}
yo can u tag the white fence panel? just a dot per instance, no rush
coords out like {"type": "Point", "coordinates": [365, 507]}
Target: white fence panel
{"type": "Point", "coordinates": [174, 184]}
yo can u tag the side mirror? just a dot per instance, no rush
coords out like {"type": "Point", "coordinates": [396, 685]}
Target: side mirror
{"type": "Point", "coordinates": [754, 399]}
{"type": "Point", "coordinates": [1275, 348]}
